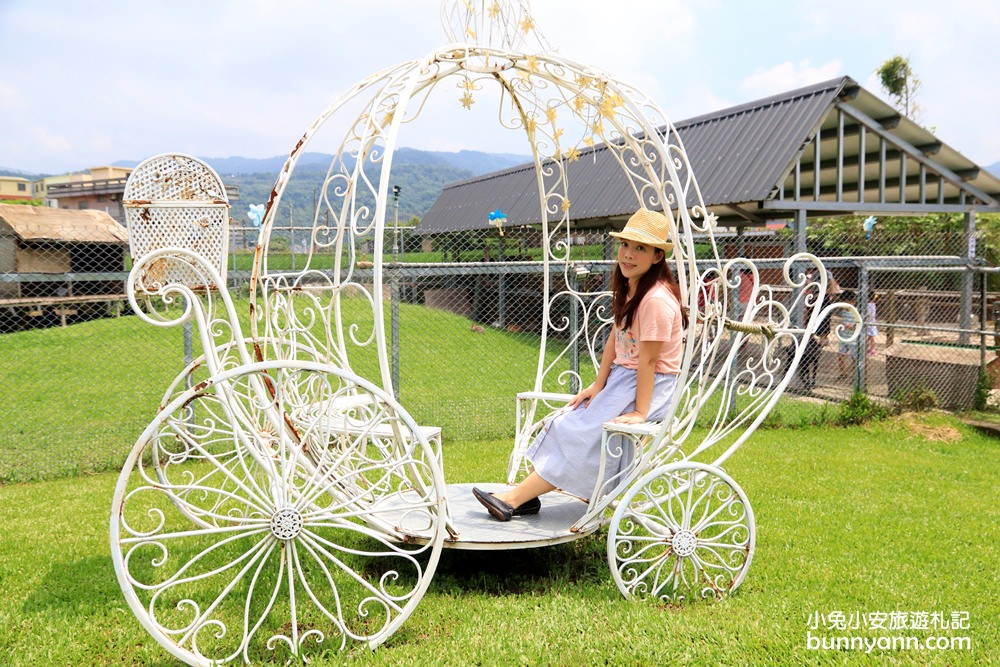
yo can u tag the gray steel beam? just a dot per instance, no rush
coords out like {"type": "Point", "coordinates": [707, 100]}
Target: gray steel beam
{"type": "Point", "coordinates": [848, 207]}
{"type": "Point", "coordinates": [913, 152]}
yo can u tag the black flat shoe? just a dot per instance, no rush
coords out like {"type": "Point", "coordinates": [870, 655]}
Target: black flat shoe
{"type": "Point", "coordinates": [497, 508]}
{"type": "Point", "coordinates": [528, 507]}
{"type": "Point", "coordinates": [502, 511]}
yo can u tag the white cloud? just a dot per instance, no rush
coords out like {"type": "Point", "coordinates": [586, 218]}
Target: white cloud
{"type": "Point", "coordinates": [787, 76]}
{"type": "Point", "coordinates": [10, 96]}
{"type": "Point", "coordinates": [49, 141]}
{"type": "Point", "coordinates": [249, 76]}
{"type": "Point", "coordinates": [700, 98]}
{"type": "Point", "coordinates": [646, 44]}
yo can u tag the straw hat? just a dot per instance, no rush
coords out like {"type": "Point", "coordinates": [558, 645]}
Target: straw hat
{"type": "Point", "coordinates": [649, 227]}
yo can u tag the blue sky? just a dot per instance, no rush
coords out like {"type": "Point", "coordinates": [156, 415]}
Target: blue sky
{"type": "Point", "coordinates": [88, 83]}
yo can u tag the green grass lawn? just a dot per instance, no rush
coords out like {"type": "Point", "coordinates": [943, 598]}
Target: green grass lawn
{"type": "Point", "coordinates": [83, 394]}
{"type": "Point", "coordinates": [284, 260]}
{"type": "Point", "coordinates": [899, 516]}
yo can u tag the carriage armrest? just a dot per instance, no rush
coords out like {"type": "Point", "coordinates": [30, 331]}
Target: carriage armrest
{"type": "Point", "coordinates": [337, 416]}
{"type": "Point", "coordinates": [531, 407]}
{"type": "Point", "coordinates": [648, 428]}
{"type": "Point", "coordinates": [644, 429]}
{"type": "Point", "coordinates": [613, 437]}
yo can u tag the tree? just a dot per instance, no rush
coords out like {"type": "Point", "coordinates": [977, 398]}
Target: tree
{"type": "Point", "coordinates": [901, 83]}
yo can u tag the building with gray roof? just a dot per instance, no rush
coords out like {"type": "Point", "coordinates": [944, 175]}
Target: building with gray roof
{"type": "Point", "coordinates": [832, 148]}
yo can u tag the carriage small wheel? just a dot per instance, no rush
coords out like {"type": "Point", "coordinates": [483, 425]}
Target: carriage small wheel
{"type": "Point", "coordinates": [250, 525]}
{"type": "Point", "coordinates": [683, 531]}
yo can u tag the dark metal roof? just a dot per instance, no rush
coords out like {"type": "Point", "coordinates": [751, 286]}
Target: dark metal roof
{"type": "Point", "coordinates": [742, 157]}
{"type": "Point", "coordinates": [739, 154]}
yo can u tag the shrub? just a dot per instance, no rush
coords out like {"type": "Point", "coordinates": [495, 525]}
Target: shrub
{"type": "Point", "coordinates": [860, 409]}
{"type": "Point", "coordinates": [984, 385]}
{"type": "Point", "coordinates": [916, 398]}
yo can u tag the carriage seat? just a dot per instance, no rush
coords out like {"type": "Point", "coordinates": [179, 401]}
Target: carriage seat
{"type": "Point", "coordinates": [351, 415]}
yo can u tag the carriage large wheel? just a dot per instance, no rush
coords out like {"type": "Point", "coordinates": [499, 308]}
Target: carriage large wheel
{"type": "Point", "coordinates": [187, 422]}
{"type": "Point", "coordinates": [684, 530]}
{"type": "Point", "coordinates": [271, 536]}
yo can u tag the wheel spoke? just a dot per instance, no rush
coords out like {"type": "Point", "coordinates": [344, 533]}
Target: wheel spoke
{"type": "Point", "coordinates": [704, 554]}
{"type": "Point", "coordinates": [264, 526]}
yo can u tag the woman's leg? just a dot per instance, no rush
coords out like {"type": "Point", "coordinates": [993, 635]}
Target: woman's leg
{"type": "Point", "coordinates": [530, 487]}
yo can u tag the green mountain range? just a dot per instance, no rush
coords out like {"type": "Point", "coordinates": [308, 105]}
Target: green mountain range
{"type": "Point", "coordinates": [420, 175]}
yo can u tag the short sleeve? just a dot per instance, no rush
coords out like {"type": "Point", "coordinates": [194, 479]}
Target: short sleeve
{"type": "Point", "coordinates": [657, 316]}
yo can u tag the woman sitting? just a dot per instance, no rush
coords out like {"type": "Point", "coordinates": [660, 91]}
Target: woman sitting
{"type": "Point", "coordinates": [635, 381]}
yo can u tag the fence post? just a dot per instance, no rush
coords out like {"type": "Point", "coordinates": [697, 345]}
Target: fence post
{"type": "Point", "coordinates": [799, 316]}
{"type": "Point", "coordinates": [291, 234]}
{"type": "Point", "coordinates": [965, 296]}
{"type": "Point", "coordinates": [982, 321]}
{"type": "Point", "coordinates": [861, 378]}
{"type": "Point", "coordinates": [394, 326]}
{"type": "Point", "coordinates": [188, 344]}
{"type": "Point", "coordinates": [574, 330]}
{"type": "Point", "coordinates": [502, 285]}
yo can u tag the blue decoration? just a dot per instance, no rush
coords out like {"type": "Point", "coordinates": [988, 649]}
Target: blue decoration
{"type": "Point", "coordinates": [256, 214]}
{"type": "Point", "coordinates": [869, 225]}
{"type": "Point", "coordinates": [497, 218]}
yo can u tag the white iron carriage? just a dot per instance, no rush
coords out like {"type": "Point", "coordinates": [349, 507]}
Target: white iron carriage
{"type": "Point", "coordinates": [281, 500]}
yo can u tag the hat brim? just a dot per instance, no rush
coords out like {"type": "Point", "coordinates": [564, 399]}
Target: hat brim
{"type": "Point", "coordinates": [629, 235]}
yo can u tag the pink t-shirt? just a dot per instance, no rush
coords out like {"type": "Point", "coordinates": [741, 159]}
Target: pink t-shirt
{"type": "Point", "coordinates": [657, 318]}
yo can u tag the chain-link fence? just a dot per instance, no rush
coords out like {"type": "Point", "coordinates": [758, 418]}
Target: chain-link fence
{"type": "Point", "coordinates": [463, 316]}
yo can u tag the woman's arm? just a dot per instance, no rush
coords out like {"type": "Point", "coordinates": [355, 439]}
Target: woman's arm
{"type": "Point", "coordinates": [602, 375]}
{"type": "Point", "coordinates": [649, 352]}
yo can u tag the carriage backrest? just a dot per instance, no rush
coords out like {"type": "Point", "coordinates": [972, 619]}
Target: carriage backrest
{"type": "Point", "coordinates": [177, 212]}
{"type": "Point", "coordinates": [177, 201]}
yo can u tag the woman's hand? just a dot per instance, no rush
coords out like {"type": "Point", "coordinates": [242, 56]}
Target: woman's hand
{"type": "Point", "coordinates": [629, 418]}
{"type": "Point", "coordinates": [583, 398]}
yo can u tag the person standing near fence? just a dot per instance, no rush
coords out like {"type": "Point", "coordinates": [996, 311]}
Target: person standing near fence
{"type": "Point", "coordinates": [814, 344]}
{"type": "Point", "coordinates": [872, 329]}
{"type": "Point", "coordinates": [634, 383]}
{"type": "Point", "coordinates": [847, 353]}
{"type": "Point", "coordinates": [743, 293]}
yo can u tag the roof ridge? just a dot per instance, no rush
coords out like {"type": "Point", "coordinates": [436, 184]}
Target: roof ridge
{"type": "Point", "coordinates": [838, 84]}
{"type": "Point", "coordinates": [835, 85]}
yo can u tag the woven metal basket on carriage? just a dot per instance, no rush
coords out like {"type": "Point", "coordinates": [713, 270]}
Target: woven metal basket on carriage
{"type": "Point", "coordinates": [283, 500]}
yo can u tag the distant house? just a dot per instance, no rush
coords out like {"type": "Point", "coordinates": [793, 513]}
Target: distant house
{"type": "Point", "coordinates": [59, 262]}
{"type": "Point", "coordinates": [14, 187]}
{"type": "Point", "coordinates": [98, 189]}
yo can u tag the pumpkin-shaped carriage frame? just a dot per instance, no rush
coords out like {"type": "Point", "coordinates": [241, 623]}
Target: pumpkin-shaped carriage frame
{"type": "Point", "coordinates": [279, 501]}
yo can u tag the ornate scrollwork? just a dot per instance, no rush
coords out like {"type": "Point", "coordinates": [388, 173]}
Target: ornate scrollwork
{"type": "Point", "coordinates": [257, 513]}
{"type": "Point", "coordinates": [685, 530]}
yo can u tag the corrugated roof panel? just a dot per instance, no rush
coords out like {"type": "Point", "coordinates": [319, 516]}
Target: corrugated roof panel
{"type": "Point", "coordinates": [738, 155]}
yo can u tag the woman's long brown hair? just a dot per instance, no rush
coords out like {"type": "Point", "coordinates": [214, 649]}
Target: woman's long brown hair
{"type": "Point", "coordinates": [624, 309]}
